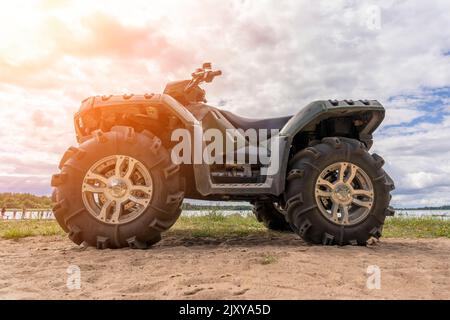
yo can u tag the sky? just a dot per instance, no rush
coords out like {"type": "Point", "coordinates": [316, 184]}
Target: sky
{"type": "Point", "coordinates": [276, 56]}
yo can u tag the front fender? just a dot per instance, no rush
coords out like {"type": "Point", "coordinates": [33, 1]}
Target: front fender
{"type": "Point", "coordinates": [97, 110]}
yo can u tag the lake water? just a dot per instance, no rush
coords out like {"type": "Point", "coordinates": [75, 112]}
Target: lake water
{"type": "Point", "coordinates": [443, 214]}
{"type": "Point", "coordinates": [17, 214]}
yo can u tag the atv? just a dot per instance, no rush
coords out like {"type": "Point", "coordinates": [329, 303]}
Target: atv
{"type": "Point", "coordinates": [125, 183]}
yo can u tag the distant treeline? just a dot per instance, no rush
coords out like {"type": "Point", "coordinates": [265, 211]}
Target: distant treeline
{"type": "Point", "coordinates": [446, 207]}
{"type": "Point", "coordinates": [24, 200]}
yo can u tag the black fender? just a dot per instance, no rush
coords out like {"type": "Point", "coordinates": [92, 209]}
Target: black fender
{"type": "Point", "coordinates": [148, 108]}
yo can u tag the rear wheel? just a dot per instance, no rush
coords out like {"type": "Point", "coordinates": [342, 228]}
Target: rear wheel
{"type": "Point", "coordinates": [338, 193]}
{"type": "Point", "coordinates": [117, 189]}
{"type": "Point", "coordinates": [271, 215]}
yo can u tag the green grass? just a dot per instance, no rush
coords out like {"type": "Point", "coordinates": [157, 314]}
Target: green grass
{"type": "Point", "coordinates": [28, 228]}
{"type": "Point", "coordinates": [216, 225]}
{"type": "Point", "coordinates": [416, 228]}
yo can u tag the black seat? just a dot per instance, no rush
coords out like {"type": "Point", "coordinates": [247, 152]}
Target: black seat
{"type": "Point", "coordinates": [247, 123]}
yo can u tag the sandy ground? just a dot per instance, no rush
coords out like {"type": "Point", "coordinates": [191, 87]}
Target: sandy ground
{"type": "Point", "coordinates": [254, 267]}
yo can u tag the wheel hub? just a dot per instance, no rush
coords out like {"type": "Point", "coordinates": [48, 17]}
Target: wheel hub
{"type": "Point", "coordinates": [117, 187]}
{"type": "Point", "coordinates": [342, 193]}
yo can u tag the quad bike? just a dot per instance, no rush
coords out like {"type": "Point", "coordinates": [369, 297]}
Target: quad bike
{"type": "Point", "coordinates": [120, 187]}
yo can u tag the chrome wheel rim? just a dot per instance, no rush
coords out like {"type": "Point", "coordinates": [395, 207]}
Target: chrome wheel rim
{"type": "Point", "coordinates": [117, 189]}
{"type": "Point", "coordinates": [344, 193]}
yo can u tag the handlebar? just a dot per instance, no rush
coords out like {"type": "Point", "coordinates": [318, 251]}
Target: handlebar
{"type": "Point", "coordinates": [216, 73]}
{"type": "Point", "coordinates": [204, 74]}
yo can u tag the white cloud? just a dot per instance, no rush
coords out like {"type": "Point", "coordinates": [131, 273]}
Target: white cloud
{"type": "Point", "coordinates": [418, 159]}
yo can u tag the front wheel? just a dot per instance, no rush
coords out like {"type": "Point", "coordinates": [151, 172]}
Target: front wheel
{"type": "Point", "coordinates": [117, 189]}
{"type": "Point", "coordinates": [337, 193]}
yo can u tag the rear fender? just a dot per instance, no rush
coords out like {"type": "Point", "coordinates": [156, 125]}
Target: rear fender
{"type": "Point", "coordinates": [370, 112]}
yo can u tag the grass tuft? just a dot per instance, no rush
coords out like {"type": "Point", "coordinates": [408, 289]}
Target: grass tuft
{"type": "Point", "coordinates": [268, 259]}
